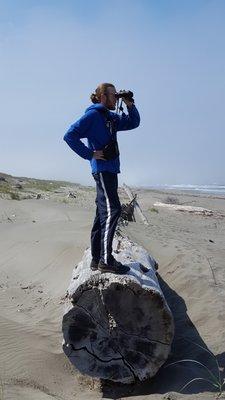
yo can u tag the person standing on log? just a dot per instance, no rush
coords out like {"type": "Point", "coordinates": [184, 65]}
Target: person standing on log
{"type": "Point", "coordinates": [100, 125]}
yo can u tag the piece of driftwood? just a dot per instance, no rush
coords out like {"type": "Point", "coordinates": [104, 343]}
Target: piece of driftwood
{"type": "Point", "coordinates": [136, 205]}
{"type": "Point", "coordinates": [127, 212]}
{"type": "Point", "coordinates": [117, 327]}
{"type": "Point", "coordinates": [191, 209]}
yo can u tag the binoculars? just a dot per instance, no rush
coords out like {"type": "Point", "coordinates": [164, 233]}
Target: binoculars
{"type": "Point", "coordinates": [126, 94]}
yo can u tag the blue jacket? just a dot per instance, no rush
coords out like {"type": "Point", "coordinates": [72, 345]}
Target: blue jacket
{"type": "Point", "coordinates": [92, 125]}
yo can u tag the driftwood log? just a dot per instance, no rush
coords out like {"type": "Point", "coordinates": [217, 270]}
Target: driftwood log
{"type": "Point", "coordinates": [190, 209]}
{"type": "Point", "coordinates": [117, 327]}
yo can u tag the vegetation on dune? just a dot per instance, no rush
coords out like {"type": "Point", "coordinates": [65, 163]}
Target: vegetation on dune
{"type": "Point", "coordinates": [45, 186]}
{"type": "Point", "coordinates": [155, 210]}
{"type": "Point", "coordinates": [7, 190]}
{"type": "Point", "coordinates": [21, 188]}
{"type": "Point", "coordinates": [214, 379]}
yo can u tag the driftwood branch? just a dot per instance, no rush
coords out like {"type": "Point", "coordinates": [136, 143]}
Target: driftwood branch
{"type": "Point", "coordinates": [136, 205]}
{"type": "Point", "coordinates": [127, 213]}
{"type": "Point", "coordinates": [117, 327]}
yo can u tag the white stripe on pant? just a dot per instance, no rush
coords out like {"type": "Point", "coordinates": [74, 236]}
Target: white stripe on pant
{"type": "Point", "coordinates": [107, 220]}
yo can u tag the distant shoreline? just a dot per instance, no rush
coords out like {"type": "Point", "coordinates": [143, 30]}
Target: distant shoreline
{"type": "Point", "coordinates": [208, 190]}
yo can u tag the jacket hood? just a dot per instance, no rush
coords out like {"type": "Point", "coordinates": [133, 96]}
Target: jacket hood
{"type": "Point", "coordinates": [98, 107]}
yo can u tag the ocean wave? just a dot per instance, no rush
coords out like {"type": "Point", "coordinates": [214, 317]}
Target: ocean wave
{"type": "Point", "coordinates": [211, 189]}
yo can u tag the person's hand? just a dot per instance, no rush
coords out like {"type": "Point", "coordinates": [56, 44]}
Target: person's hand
{"type": "Point", "coordinates": [127, 102]}
{"type": "Point", "coordinates": [98, 155]}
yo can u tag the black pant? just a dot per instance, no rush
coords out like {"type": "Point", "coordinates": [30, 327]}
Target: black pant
{"type": "Point", "coordinates": [107, 214]}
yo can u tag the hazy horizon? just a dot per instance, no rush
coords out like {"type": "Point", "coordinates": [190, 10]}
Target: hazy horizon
{"type": "Point", "coordinates": [170, 53]}
{"type": "Point", "coordinates": [92, 183]}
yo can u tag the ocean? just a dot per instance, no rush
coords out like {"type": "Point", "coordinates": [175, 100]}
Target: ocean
{"type": "Point", "coordinates": [215, 189]}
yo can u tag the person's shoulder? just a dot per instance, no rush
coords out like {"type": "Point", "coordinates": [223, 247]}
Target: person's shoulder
{"type": "Point", "coordinates": [92, 112]}
{"type": "Point", "coordinates": [95, 108]}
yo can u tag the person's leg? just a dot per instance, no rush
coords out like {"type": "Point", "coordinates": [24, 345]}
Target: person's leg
{"type": "Point", "coordinates": [96, 237]}
{"type": "Point", "coordinates": [109, 211]}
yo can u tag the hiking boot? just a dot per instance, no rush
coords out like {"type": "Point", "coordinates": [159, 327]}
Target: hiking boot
{"type": "Point", "coordinates": [114, 267]}
{"type": "Point", "coordinates": [115, 263]}
{"type": "Point", "coordinates": [94, 265]}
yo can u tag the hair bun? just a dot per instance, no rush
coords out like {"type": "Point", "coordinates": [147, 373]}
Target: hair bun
{"type": "Point", "coordinates": [94, 98]}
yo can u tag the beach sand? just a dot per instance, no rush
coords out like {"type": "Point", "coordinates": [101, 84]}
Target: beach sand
{"type": "Point", "coordinates": [42, 240]}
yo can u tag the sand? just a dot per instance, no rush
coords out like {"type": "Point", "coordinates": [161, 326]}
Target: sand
{"type": "Point", "coordinates": [42, 240]}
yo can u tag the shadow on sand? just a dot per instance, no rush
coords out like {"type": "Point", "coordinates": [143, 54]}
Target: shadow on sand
{"type": "Point", "coordinates": [175, 377]}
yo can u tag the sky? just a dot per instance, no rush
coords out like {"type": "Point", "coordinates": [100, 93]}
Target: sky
{"type": "Point", "coordinates": [170, 53]}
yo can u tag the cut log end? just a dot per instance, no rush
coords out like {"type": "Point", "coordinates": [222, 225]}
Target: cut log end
{"type": "Point", "coordinates": [118, 328]}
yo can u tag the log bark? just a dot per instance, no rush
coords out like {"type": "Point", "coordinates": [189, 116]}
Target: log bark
{"type": "Point", "coordinates": [136, 205]}
{"type": "Point", "coordinates": [117, 327]}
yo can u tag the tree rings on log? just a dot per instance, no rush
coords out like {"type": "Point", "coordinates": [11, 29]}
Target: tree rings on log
{"type": "Point", "coordinates": [117, 327]}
